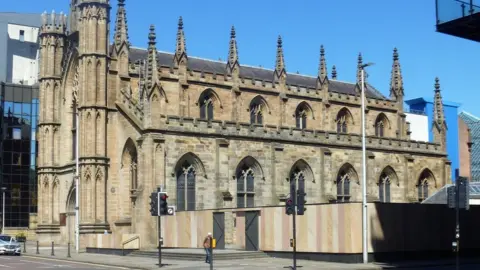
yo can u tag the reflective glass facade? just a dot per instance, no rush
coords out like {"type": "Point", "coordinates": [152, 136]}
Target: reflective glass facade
{"type": "Point", "coordinates": [18, 150]}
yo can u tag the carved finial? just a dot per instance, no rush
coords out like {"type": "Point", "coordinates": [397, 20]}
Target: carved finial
{"type": "Point", "coordinates": [232, 53]}
{"type": "Point", "coordinates": [396, 81]}
{"type": "Point", "coordinates": [439, 116]}
{"type": "Point", "coordinates": [280, 72]}
{"type": "Point", "coordinates": [121, 27]}
{"type": "Point", "coordinates": [322, 67]}
{"type": "Point", "coordinates": [180, 57]}
{"type": "Point", "coordinates": [44, 18]}
{"type": "Point", "coordinates": [52, 16]}
{"type": "Point", "coordinates": [438, 113]}
{"type": "Point", "coordinates": [152, 72]}
{"type": "Point", "coordinates": [152, 36]}
{"type": "Point", "coordinates": [334, 72]}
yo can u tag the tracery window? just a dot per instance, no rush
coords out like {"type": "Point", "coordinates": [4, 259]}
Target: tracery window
{"type": "Point", "coordinates": [206, 107]}
{"type": "Point", "coordinates": [245, 187]}
{"type": "Point", "coordinates": [186, 178]}
{"type": "Point", "coordinates": [342, 124]}
{"type": "Point", "coordinates": [422, 189]}
{"type": "Point", "coordinates": [344, 119]}
{"type": "Point", "coordinates": [343, 187]}
{"type": "Point", "coordinates": [384, 188]}
{"type": "Point", "coordinates": [256, 114]}
{"type": "Point", "coordinates": [301, 114]}
{"type": "Point", "coordinates": [381, 123]}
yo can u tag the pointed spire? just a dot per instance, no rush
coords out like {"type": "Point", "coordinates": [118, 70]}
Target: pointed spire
{"type": "Point", "coordinates": [232, 52]}
{"type": "Point", "coordinates": [121, 27]}
{"type": "Point", "coordinates": [322, 67]}
{"type": "Point", "coordinates": [152, 70]}
{"type": "Point", "coordinates": [280, 71]}
{"type": "Point", "coordinates": [438, 113]}
{"type": "Point", "coordinates": [359, 69]}
{"type": "Point", "coordinates": [396, 81]}
{"type": "Point", "coordinates": [181, 47]}
{"type": "Point", "coordinates": [334, 72]}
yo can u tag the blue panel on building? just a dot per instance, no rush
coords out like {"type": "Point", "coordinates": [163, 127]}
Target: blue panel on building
{"type": "Point", "coordinates": [451, 117]}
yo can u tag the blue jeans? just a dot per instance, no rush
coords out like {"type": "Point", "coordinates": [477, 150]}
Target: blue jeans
{"type": "Point", "coordinates": [208, 257]}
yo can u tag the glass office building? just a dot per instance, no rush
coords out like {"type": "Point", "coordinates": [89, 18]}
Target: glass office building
{"type": "Point", "coordinates": [18, 147]}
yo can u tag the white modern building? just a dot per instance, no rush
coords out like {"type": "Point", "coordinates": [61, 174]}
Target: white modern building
{"type": "Point", "coordinates": [419, 125]}
{"type": "Point", "coordinates": [19, 48]}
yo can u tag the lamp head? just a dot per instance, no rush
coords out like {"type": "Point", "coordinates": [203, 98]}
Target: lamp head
{"type": "Point", "coordinates": [367, 65]}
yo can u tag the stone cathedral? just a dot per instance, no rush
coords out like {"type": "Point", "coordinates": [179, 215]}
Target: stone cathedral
{"type": "Point", "coordinates": [214, 134]}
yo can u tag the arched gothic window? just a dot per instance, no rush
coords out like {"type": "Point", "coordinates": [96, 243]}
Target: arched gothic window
{"type": "Point", "coordinates": [133, 174]}
{"type": "Point", "coordinates": [245, 187]}
{"type": "Point", "coordinates": [381, 123]}
{"type": "Point", "coordinates": [422, 187]}
{"type": "Point", "coordinates": [206, 106]}
{"type": "Point", "coordinates": [129, 165]}
{"type": "Point", "coordinates": [344, 118]}
{"type": "Point", "coordinates": [186, 178]}
{"type": "Point", "coordinates": [346, 175]}
{"type": "Point", "coordinates": [256, 114]}
{"type": "Point", "coordinates": [301, 114]}
{"type": "Point", "coordinates": [343, 188]}
{"type": "Point", "coordinates": [422, 190]}
{"type": "Point", "coordinates": [299, 177]}
{"type": "Point", "coordinates": [384, 188]}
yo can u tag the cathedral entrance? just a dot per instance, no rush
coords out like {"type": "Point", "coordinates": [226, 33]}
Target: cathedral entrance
{"type": "Point", "coordinates": [71, 216]}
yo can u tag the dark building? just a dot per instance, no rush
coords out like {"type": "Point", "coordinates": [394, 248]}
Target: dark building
{"type": "Point", "coordinates": [459, 18]}
{"type": "Point", "coordinates": [19, 107]}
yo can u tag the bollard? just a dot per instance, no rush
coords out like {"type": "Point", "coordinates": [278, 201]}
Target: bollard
{"type": "Point", "coordinates": [53, 253]}
{"type": "Point", "coordinates": [68, 254]}
{"type": "Point", "coordinates": [25, 246]}
{"type": "Point", "coordinates": [38, 251]}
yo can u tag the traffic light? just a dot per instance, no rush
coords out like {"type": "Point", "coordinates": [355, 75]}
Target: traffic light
{"type": "Point", "coordinates": [289, 206]}
{"type": "Point", "coordinates": [301, 202]}
{"type": "Point", "coordinates": [154, 204]}
{"type": "Point", "coordinates": [163, 203]}
{"type": "Point", "coordinates": [290, 203]}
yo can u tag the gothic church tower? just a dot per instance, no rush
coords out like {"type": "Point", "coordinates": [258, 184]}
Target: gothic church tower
{"type": "Point", "coordinates": [93, 31]}
{"type": "Point", "coordinates": [52, 46]}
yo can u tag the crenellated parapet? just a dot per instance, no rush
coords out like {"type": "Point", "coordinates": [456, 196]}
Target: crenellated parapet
{"type": "Point", "coordinates": [321, 138]}
{"type": "Point", "coordinates": [53, 23]}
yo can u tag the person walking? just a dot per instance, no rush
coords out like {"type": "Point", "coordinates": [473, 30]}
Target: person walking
{"type": "Point", "coordinates": [207, 246]}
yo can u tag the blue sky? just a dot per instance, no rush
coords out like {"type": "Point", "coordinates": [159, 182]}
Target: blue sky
{"type": "Point", "coordinates": [345, 28]}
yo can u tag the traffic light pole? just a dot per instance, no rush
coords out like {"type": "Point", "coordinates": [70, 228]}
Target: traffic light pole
{"type": "Point", "coordinates": [159, 231]}
{"type": "Point", "coordinates": [294, 234]}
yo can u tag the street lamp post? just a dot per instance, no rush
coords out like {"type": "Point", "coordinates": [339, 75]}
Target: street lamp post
{"type": "Point", "coordinates": [3, 209]}
{"type": "Point", "coordinates": [77, 176]}
{"type": "Point", "coordinates": [364, 170]}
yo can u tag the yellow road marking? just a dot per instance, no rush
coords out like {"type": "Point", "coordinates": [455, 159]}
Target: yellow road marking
{"type": "Point", "coordinates": [74, 262]}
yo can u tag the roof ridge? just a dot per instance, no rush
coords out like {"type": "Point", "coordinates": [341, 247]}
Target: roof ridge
{"type": "Point", "coordinates": [242, 65]}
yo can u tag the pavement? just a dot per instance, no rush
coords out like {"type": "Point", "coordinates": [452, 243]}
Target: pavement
{"type": "Point", "coordinates": [82, 260]}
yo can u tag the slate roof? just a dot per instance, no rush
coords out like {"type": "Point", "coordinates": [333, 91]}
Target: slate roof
{"type": "Point", "coordinates": [165, 59]}
{"type": "Point", "coordinates": [473, 124]}
{"type": "Point", "coordinates": [441, 196]}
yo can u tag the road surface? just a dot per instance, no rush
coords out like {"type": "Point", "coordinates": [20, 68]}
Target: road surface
{"type": "Point", "coordinates": [30, 263]}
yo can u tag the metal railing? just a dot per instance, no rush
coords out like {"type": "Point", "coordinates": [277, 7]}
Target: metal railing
{"type": "Point", "coordinates": [449, 10]}
{"type": "Point", "coordinates": [128, 241]}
